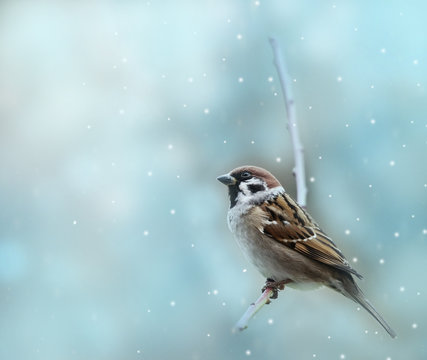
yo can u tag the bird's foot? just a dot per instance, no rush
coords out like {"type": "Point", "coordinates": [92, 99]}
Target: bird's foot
{"type": "Point", "coordinates": [275, 286]}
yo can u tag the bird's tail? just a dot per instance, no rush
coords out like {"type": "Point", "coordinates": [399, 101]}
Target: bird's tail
{"type": "Point", "coordinates": [353, 292]}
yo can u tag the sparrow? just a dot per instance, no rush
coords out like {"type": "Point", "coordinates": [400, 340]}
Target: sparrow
{"type": "Point", "coordinates": [283, 241]}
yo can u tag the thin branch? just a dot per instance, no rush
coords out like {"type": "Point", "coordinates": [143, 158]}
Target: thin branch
{"type": "Point", "coordinates": [299, 170]}
{"type": "Point", "coordinates": [285, 82]}
{"type": "Point", "coordinates": [253, 308]}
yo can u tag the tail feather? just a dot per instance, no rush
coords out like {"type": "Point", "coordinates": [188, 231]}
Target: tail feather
{"type": "Point", "coordinates": [355, 293]}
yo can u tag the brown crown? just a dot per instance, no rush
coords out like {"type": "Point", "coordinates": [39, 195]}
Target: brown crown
{"type": "Point", "coordinates": [258, 172]}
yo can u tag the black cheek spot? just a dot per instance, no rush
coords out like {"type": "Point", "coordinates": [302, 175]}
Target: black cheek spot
{"type": "Point", "coordinates": [254, 188]}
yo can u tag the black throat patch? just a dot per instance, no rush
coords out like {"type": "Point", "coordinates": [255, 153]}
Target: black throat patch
{"type": "Point", "coordinates": [233, 191]}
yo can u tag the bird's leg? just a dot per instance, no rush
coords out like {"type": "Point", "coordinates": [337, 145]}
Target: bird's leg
{"type": "Point", "coordinates": [275, 286]}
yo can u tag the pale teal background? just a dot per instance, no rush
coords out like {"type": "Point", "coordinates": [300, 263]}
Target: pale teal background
{"type": "Point", "coordinates": [117, 116]}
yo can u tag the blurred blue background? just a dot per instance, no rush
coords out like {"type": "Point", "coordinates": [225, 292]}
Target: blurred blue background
{"type": "Point", "coordinates": [116, 119]}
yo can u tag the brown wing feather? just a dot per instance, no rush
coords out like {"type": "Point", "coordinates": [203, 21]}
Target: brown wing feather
{"type": "Point", "coordinates": [292, 226]}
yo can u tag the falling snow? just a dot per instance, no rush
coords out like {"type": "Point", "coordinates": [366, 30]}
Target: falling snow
{"type": "Point", "coordinates": [128, 172]}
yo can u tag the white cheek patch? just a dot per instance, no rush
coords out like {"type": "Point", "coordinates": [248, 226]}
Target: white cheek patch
{"type": "Point", "coordinates": [245, 186]}
{"type": "Point", "coordinates": [247, 196]}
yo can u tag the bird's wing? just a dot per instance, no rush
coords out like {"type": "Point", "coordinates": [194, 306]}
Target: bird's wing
{"type": "Point", "coordinates": [289, 224]}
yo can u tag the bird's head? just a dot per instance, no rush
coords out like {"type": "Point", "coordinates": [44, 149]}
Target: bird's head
{"type": "Point", "coordinates": [248, 184]}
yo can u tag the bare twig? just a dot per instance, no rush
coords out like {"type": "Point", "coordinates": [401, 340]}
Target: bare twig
{"type": "Point", "coordinates": [299, 170]}
{"type": "Point", "coordinates": [253, 308]}
{"type": "Point", "coordinates": [285, 82]}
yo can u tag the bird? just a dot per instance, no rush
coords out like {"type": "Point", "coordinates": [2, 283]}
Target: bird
{"type": "Point", "coordinates": [282, 240]}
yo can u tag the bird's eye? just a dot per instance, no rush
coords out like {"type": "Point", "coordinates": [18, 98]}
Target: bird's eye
{"type": "Point", "coordinates": [246, 175]}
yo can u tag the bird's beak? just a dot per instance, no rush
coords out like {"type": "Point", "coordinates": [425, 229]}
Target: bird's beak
{"type": "Point", "coordinates": [227, 179]}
